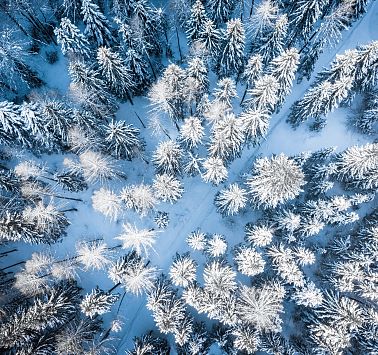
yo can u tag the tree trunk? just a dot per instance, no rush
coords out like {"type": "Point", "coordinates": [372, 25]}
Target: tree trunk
{"type": "Point", "coordinates": [8, 267]}
{"type": "Point", "coordinates": [252, 5]}
{"type": "Point", "coordinates": [245, 93]}
{"type": "Point", "coordinates": [178, 43]}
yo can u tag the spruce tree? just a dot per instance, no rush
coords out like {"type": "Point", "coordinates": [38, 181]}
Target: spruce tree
{"type": "Point", "coordinates": [231, 55]}
{"type": "Point", "coordinates": [97, 26]}
{"type": "Point", "coordinates": [211, 37]}
{"type": "Point", "coordinates": [195, 21]}
{"type": "Point", "coordinates": [220, 10]}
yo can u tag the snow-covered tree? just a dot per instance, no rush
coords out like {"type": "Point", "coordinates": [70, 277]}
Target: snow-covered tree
{"type": "Point", "coordinates": [123, 140]}
{"type": "Point", "coordinates": [136, 239]}
{"type": "Point", "coordinates": [227, 138]}
{"type": "Point", "coordinates": [71, 40]}
{"type": "Point", "coordinates": [220, 10]}
{"type": "Point", "coordinates": [211, 38]}
{"type": "Point", "coordinates": [252, 71]}
{"type": "Point", "coordinates": [93, 255]}
{"type": "Point", "coordinates": [357, 166]}
{"type": "Point", "coordinates": [183, 270]}
{"type": "Point", "coordinates": [191, 132]}
{"type": "Point", "coordinates": [367, 66]}
{"type": "Point", "coordinates": [140, 197]}
{"type": "Point", "coordinates": [261, 306]}
{"type": "Point", "coordinates": [216, 245]}
{"type": "Point", "coordinates": [133, 273]}
{"type": "Point", "coordinates": [275, 181]}
{"type": "Point", "coordinates": [231, 54]}
{"type": "Point", "coordinates": [167, 158]}
{"type": "Point", "coordinates": [115, 72]}
{"type": "Point", "coordinates": [215, 171]}
{"type": "Point", "coordinates": [96, 24]}
{"type": "Point", "coordinates": [197, 240]}
{"type": "Point", "coordinates": [308, 296]}
{"type": "Point", "coordinates": [219, 278]}
{"type": "Point", "coordinates": [231, 200]}
{"type": "Point", "coordinates": [197, 84]}
{"type": "Point", "coordinates": [255, 124]}
{"type": "Point", "coordinates": [195, 21]}
{"type": "Point", "coordinates": [246, 339]}
{"type": "Point", "coordinates": [259, 236]}
{"type": "Point", "coordinates": [148, 343]}
{"type": "Point", "coordinates": [167, 188]}
{"type": "Point", "coordinates": [249, 262]}
{"type": "Point", "coordinates": [107, 202]}
{"type": "Point", "coordinates": [224, 93]}
{"type": "Point", "coordinates": [264, 94]}
{"type": "Point", "coordinates": [283, 69]}
{"type": "Point", "coordinates": [98, 302]}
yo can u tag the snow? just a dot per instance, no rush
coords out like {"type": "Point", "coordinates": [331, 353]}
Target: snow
{"type": "Point", "coordinates": [195, 209]}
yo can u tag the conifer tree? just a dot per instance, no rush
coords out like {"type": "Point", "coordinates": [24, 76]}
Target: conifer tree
{"type": "Point", "coordinates": [167, 158]}
{"type": "Point", "coordinates": [115, 72]}
{"type": "Point", "coordinates": [195, 21]}
{"type": "Point", "coordinates": [252, 72]}
{"type": "Point", "coordinates": [220, 10]}
{"type": "Point", "coordinates": [255, 124]}
{"type": "Point", "coordinates": [97, 26]}
{"type": "Point", "coordinates": [97, 302]}
{"type": "Point", "coordinates": [231, 200]}
{"type": "Point", "coordinates": [215, 171]}
{"type": "Point", "coordinates": [71, 40]}
{"type": "Point", "coordinates": [191, 132]}
{"type": "Point", "coordinates": [211, 38]}
{"type": "Point", "coordinates": [231, 55]}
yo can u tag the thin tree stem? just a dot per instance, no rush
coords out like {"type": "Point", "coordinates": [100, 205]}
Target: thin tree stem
{"type": "Point", "coordinates": [8, 267]}
{"type": "Point", "coordinates": [140, 120]}
{"type": "Point", "coordinates": [113, 288]}
{"type": "Point", "coordinates": [5, 253]}
{"type": "Point", "coordinates": [178, 43]}
{"type": "Point", "coordinates": [245, 93]}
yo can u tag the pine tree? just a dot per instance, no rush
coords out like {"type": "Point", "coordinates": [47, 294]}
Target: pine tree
{"type": "Point", "coordinates": [231, 200]}
{"type": "Point", "coordinates": [195, 21]}
{"type": "Point", "coordinates": [263, 96]}
{"type": "Point", "coordinates": [249, 262]}
{"type": "Point", "coordinates": [216, 246]}
{"type": "Point", "coordinates": [366, 120]}
{"type": "Point", "coordinates": [219, 278]}
{"type": "Point", "coordinates": [93, 255]}
{"type": "Point", "coordinates": [259, 236]}
{"type": "Point", "coordinates": [139, 197]}
{"type": "Point", "coordinates": [71, 9]}
{"type": "Point", "coordinates": [98, 302]}
{"type": "Point", "coordinates": [167, 188]}
{"type": "Point", "coordinates": [71, 40]}
{"type": "Point", "coordinates": [149, 344]}
{"type": "Point", "coordinates": [252, 71]}
{"type": "Point", "coordinates": [107, 202]}
{"type": "Point", "coordinates": [246, 339]}
{"type": "Point", "coordinates": [123, 140]}
{"type": "Point", "coordinates": [191, 132]}
{"type": "Point", "coordinates": [211, 38]}
{"type": "Point", "coordinates": [136, 239]}
{"type": "Point", "coordinates": [183, 270]}
{"type": "Point", "coordinates": [283, 68]}
{"type": "Point", "coordinates": [215, 172]}
{"type": "Point", "coordinates": [197, 73]}
{"type": "Point", "coordinates": [115, 72]}
{"type": "Point", "coordinates": [135, 62]}
{"type": "Point", "coordinates": [97, 26]}
{"type": "Point", "coordinates": [220, 10]}
{"type": "Point", "coordinates": [255, 124]}
{"type": "Point", "coordinates": [167, 158]}
{"type": "Point", "coordinates": [367, 66]}
{"type": "Point", "coordinates": [231, 56]}
{"type": "Point", "coordinates": [275, 181]}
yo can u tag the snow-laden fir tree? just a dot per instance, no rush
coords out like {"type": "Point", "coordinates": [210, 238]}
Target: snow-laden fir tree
{"type": "Point", "coordinates": [224, 93]}
{"type": "Point", "coordinates": [195, 21]}
{"type": "Point", "coordinates": [123, 141]}
{"type": "Point", "coordinates": [114, 70]}
{"type": "Point", "coordinates": [161, 219]}
{"type": "Point", "coordinates": [275, 181]}
{"type": "Point", "coordinates": [216, 245]}
{"type": "Point", "coordinates": [97, 302]}
{"type": "Point", "coordinates": [231, 200]}
{"type": "Point", "coordinates": [274, 42]}
{"type": "Point", "coordinates": [215, 171]}
{"type": "Point", "coordinates": [246, 339]}
{"type": "Point", "coordinates": [197, 240]}
{"type": "Point", "coordinates": [93, 255]}
{"type": "Point", "coordinates": [303, 16]}
{"type": "Point", "coordinates": [249, 262]}
{"type": "Point", "coordinates": [259, 236]}
{"type": "Point", "coordinates": [167, 158]}
{"type": "Point", "coordinates": [219, 278]}
{"type": "Point", "coordinates": [220, 10]}
{"type": "Point", "coordinates": [367, 118]}
{"type": "Point", "coordinates": [167, 188]}
{"type": "Point", "coordinates": [309, 295]}
{"type": "Point", "coordinates": [71, 9]}
{"type": "Point", "coordinates": [140, 240]}
{"type": "Point", "coordinates": [255, 124]}
{"type": "Point", "coordinates": [367, 66]}
{"type": "Point", "coordinates": [167, 94]}
{"type": "Point", "coordinates": [107, 202]}
{"type": "Point", "coordinates": [264, 94]}
{"type": "Point", "coordinates": [183, 270]}
{"type": "Point", "coordinates": [231, 54]}
{"type": "Point", "coordinates": [211, 38]}
{"type": "Point", "coordinates": [149, 344]}
{"type": "Point", "coordinates": [227, 138]}
{"type": "Point", "coordinates": [283, 68]}
{"type": "Point", "coordinates": [357, 166]}
{"type": "Point", "coordinates": [133, 273]}
{"type": "Point", "coordinates": [141, 77]}
{"type": "Point", "coordinates": [191, 132]}
{"type": "Point", "coordinates": [96, 24]}
{"type": "Point", "coordinates": [72, 41]}
{"type": "Point", "coordinates": [261, 306]}
{"type": "Point", "coordinates": [140, 197]}
{"type": "Point", "coordinates": [252, 71]}
{"type": "Point", "coordinates": [197, 80]}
